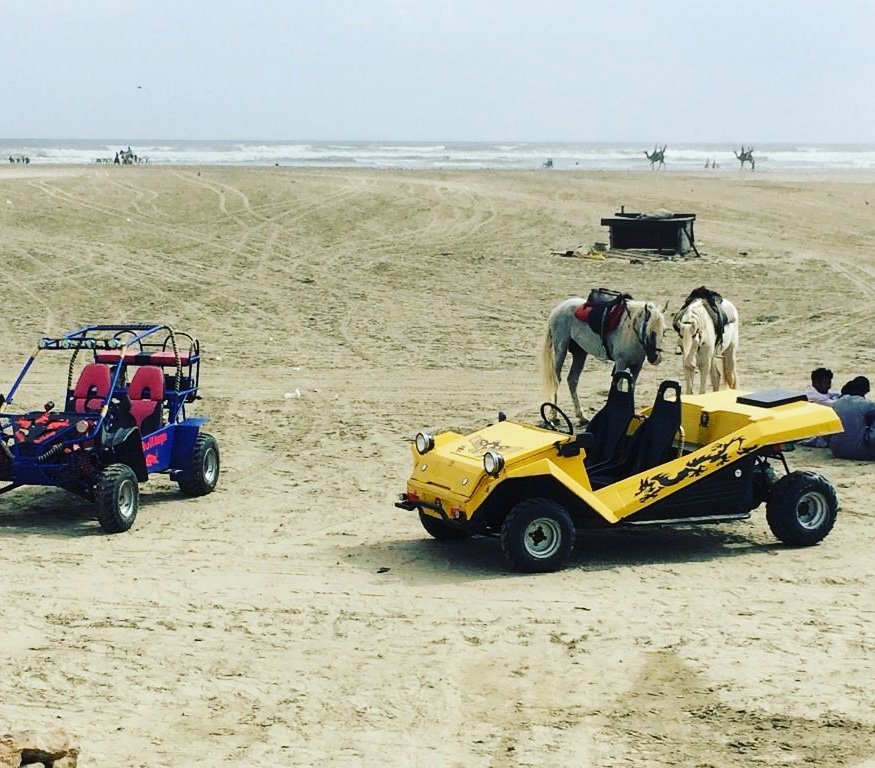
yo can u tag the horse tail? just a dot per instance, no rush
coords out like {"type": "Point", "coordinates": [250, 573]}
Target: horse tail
{"type": "Point", "coordinates": [549, 379]}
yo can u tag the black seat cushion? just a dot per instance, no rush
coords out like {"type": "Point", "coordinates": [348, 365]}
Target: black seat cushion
{"type": "Point", "coordinates": [609, 426]}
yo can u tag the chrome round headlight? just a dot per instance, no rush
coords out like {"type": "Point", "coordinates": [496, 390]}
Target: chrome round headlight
{"type": "Point", "coordinates": [424, 442]}
{"type": "Point", "coordinates": [493, 462]}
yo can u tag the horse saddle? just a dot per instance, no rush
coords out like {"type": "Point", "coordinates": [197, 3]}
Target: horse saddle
{"type": "Point", "coordinates": [713, 303]}
{"type": "Point", "coordinates": [602, 311]}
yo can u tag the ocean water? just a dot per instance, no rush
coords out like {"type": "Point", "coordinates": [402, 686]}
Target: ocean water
{"type": "Point", "coordinates": [446, 155]}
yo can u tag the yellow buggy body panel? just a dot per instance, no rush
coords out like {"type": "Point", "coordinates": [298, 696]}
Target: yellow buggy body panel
{"type": "Point", "coordinates": [716, 430]}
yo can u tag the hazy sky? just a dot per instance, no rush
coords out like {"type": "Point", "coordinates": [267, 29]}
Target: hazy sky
{"type": "Point", "coordinates": [554, 70]}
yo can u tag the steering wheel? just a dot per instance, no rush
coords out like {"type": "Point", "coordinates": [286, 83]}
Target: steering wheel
{"type": "Point", "coordinates": [556, 409]}
{"type": "Point", "coordinates": [119, 412]}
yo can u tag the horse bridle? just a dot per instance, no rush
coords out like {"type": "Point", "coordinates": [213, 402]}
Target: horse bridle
{"type": "Point", "coordinates": [651, 349]}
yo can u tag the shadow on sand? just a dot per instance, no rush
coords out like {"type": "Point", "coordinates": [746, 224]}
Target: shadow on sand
{"type": "Point", "coordinates": [429, 561]}
{"type": "Point", "coordinates": [54, 512]}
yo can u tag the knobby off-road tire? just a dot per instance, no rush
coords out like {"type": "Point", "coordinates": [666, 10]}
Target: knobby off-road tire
{"type": "Point", "coordinates": [537, 536]}
{"type": "Point", "coordinates": [442, 531]}
{"type": "Point", "coordinates": [117, 497]}
{"type": "Point", "coordinates": [202, 473]}
{"type": "Point", "coordinates": [802, 508]}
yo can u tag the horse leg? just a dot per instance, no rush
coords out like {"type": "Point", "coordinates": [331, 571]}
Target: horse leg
{"type": "Point", "coordinates": [688, 360]}
{"type": "Point", "coordinates": [715, 374]}
{"type": "Point", "coordinates": [634, 369]}
{"type": "Point", "coordinates": [705, 363]}
{"type": "Point", "coordinates": [689, 363]}
{"type": "Point", "coordinates": [559, 361]}
{"type": "Point", "coordinates": [729, 372]}
{"type": "Point", "coordinates": [578, 360]}
{"type": "Point", "coordinates": [689, 374]}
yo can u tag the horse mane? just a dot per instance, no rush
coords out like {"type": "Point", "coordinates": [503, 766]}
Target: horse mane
{"type": "Point", "coordinates": [693, 310]}
{"type": "Point", "coordinates": [637, 307]}
{"type": "Point", "coordinates": [695, 326]}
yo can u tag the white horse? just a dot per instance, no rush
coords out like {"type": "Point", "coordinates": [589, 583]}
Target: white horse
{"type": "Point", "coordinates": [700, 348]}
{"type": "Point", "coordinates": [637, 337]}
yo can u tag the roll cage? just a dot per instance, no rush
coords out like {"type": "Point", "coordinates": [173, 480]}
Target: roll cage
{"type": "Point", "coordinates": [121, 346]}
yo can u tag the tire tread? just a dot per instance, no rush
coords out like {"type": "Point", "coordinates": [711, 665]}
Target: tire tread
{"type": "Point", "coordinates": [191, 480]}
{"type": "Point", "coordinates": [518, 519]}
{"type": "Point", "coordinates": [106, 496]}
{"type": "Point", "coordinates": [781, 506]}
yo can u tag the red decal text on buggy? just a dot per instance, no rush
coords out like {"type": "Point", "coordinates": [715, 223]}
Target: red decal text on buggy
{"type": "Point", "coordinates": [123, 419]}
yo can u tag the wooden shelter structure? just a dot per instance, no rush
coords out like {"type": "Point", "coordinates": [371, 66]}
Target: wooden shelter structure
{"type": "Point", "coordinates": [660, 231]}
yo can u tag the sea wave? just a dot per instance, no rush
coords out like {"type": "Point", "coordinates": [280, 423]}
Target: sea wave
{"type": "Point", "coordinates": [441, 155]}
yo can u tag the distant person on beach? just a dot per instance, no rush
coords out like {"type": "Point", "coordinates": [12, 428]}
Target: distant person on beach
{"type": "Point", "coordinates": [117, 161]}
{"type": "Point", "coordinates": [857, 440]}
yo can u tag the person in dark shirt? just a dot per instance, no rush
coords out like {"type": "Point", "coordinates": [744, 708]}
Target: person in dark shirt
{"type": "Point", "coordinates": [857, 440]}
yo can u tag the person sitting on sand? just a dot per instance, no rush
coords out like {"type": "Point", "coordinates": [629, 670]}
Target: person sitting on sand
{"type": "Point", "coordinates": [819, 391]}
{"type": "Point", "coordinates": [857, 440]}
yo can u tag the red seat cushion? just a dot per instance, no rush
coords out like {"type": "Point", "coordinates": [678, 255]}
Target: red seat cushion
{"type": "Point", "coordinates": [146, 391]}
{"type": "Point", "coordinates": [91, 388]}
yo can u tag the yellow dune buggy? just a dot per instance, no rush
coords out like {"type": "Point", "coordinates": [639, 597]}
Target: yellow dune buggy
{"type": "Point", "coordinates": [691, 459]}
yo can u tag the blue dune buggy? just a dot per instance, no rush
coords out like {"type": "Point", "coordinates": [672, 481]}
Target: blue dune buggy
{"type": "Point", "coordinates": [123, 420]}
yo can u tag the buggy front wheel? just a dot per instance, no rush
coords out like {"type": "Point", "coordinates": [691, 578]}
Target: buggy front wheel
{"type": "Point", "coordinates": [202, 473]}
{"type": "Point", "coordinates": [118, 498]}
{"type": "Point", "coordinates": [537, 536]}
{"type": "Point", "coordinates": [802, 508]}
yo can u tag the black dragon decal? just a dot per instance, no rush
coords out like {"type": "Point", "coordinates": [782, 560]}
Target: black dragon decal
{"type": "Point", "coordinates": [651, 487]}
{"type": "Point", "coordinates": [477, 446]}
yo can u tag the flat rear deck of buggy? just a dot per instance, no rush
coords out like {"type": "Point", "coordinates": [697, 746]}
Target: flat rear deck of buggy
{"type": "Point", "coordinates": [780, 415]}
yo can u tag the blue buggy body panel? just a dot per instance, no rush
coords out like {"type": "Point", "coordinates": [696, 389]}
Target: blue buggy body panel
{"type": "Point", "coordinates": [170, 448]}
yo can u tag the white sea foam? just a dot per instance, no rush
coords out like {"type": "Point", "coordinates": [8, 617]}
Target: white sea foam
{"type": "Point", "coordinates": [444, 155]}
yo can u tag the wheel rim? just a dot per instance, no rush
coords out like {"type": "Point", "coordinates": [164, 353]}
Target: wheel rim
{"type": "Point", "coordinates": [542, 538]}
{"type": "Point", "coordinates": [811, 510]}
{"type": "Point", "coordinates": [211, 467]}
{"type": "Point", "coordinates": [127, 500]}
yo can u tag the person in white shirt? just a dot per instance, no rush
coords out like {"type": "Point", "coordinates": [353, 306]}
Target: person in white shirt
{"type": "Point", "coordinates": [819, 391]}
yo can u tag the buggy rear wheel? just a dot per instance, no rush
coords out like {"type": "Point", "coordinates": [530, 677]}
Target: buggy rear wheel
{"type": "Point", "coordinates": [202, 473]}
{"type": "Point", "coordinates": [802, 508]}
{"type": "Point", "coordinates": [117, 497]}
{"type": "Point", "coordinates": [442, 531]}
{"type": "Point", "coordinates": [537, 536]}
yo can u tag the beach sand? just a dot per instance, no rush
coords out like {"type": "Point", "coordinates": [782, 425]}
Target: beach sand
{"type": "Point", "coordinates": [294, 616]}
